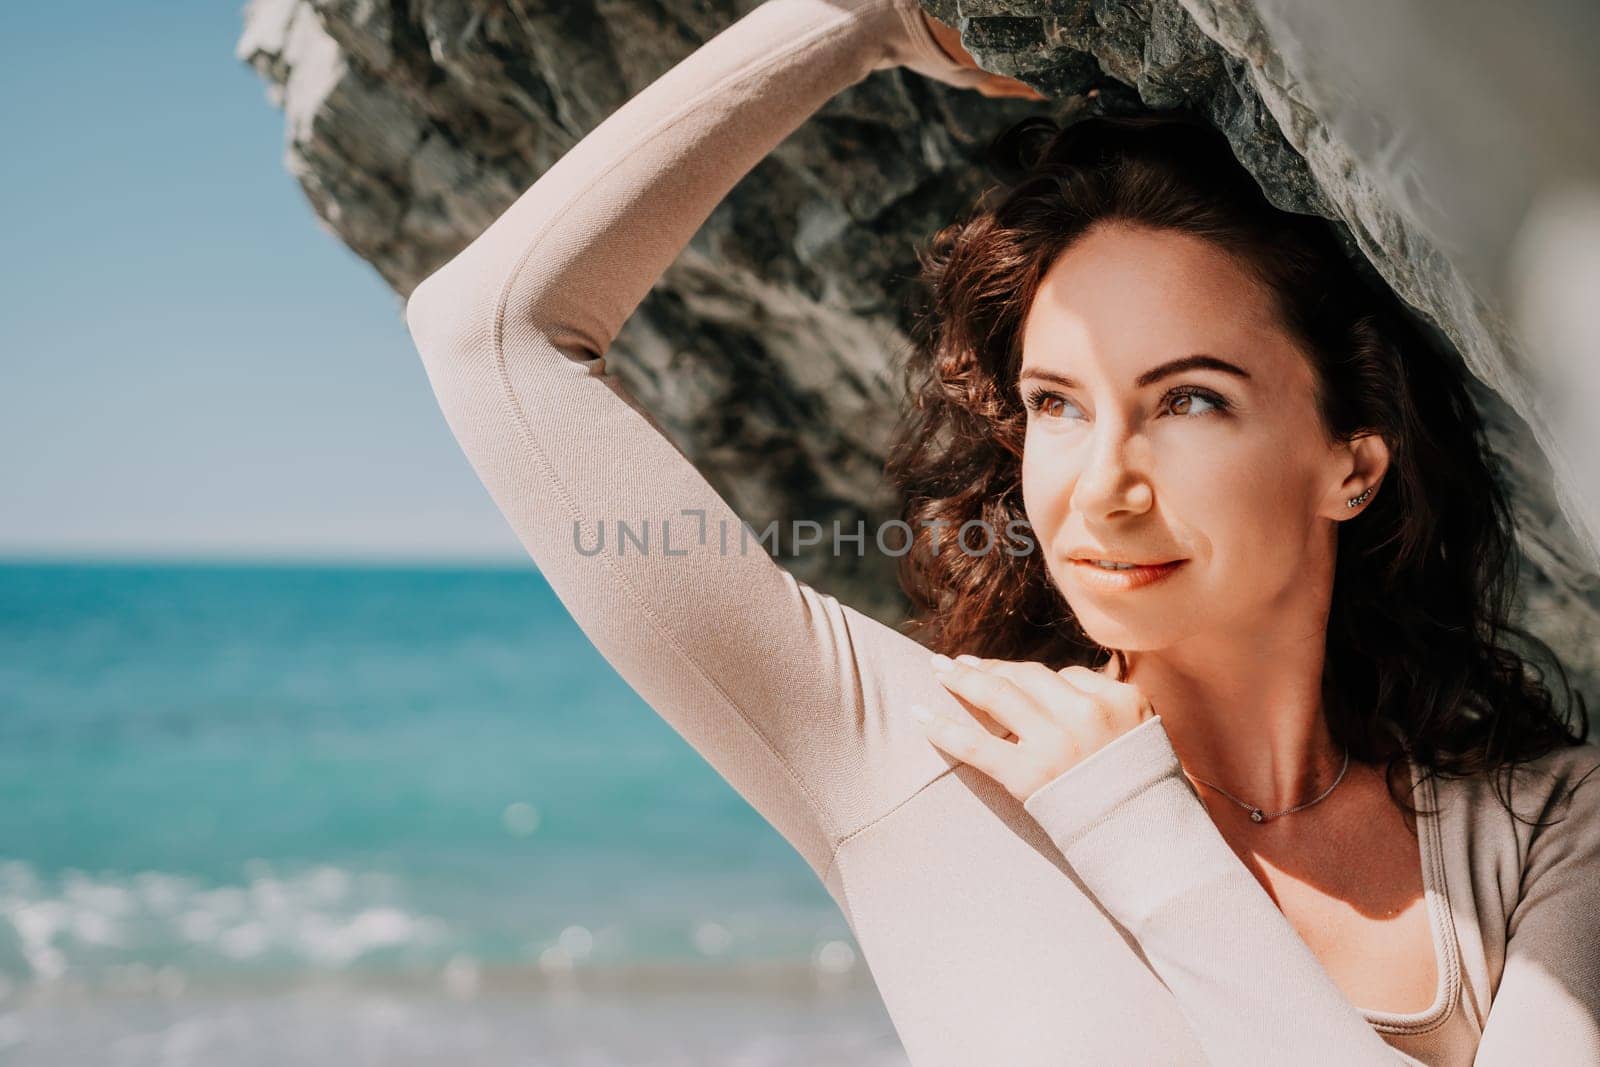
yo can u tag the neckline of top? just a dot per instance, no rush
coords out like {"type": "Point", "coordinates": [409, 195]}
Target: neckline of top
{"type": "Point", "coordinates": [1441, 923]}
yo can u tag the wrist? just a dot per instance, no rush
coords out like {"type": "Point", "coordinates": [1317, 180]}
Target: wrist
{"type": "Point", "coordinates": [912, 45]}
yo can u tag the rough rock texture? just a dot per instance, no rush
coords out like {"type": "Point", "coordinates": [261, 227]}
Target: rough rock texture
{"type": "Point", "coordinates": [769, 349]}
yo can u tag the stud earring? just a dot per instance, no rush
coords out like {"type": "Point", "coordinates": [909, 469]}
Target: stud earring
{"type": "Point", "coordinates": [1357, 501]}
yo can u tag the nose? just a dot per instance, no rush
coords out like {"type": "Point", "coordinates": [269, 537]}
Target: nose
{"type": "Point", "coordinates": [1115, 479]}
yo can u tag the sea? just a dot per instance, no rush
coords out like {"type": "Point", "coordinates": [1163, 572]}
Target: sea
{"type": "Point", "coordinates": [291, 813]}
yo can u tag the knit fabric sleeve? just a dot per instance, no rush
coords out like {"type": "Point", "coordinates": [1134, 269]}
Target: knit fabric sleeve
{"type": "Point", "coordinates": [777, 686]}
{"type": "Point", "coordinates": [1134, 829]}
{"type": "Point", "coordinates": [1546, 1007]}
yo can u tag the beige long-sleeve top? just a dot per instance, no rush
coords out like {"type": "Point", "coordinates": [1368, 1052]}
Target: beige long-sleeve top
{"type": "Point", "coordinates": [1106, 921]}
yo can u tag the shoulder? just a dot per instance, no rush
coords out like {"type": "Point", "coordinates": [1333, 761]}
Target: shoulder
{"type": "Point", "coordinates": [1555, 793]}
{"type": "Point", "coordinates": [1562, 780]}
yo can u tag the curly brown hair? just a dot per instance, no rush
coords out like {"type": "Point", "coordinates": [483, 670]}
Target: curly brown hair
{"type": "Point", "coordinates": [1418, 654]}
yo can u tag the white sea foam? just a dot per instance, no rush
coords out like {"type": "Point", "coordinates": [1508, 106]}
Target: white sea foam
{"type": "Point", "coordinates": [320, 918]}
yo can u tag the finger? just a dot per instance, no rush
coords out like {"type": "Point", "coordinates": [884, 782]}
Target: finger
{"type": "Point", "coordinates": [983, 718]}
{"type": "Point", "coordinates": [999, 697]}
{"type": "Point", "coordinates": [1108, 692]}
{"type": "Point", "coordinates": [1051, 692]}
{"type": "Point", "coordinates": [1008, 87]}
{"type": "Point", "coordinates": [1092, 681]}
{"type": "Point", "coordinates": [965, 741]}
{"type": "Point", "coordinates": [949, 41]}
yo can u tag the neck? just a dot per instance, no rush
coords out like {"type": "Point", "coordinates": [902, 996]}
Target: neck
{"type": "Point", "coordinates": [1244, 711]}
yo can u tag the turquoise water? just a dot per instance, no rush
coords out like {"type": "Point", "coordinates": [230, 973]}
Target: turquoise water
{"type": "Point", "coordinates": [210, 772]}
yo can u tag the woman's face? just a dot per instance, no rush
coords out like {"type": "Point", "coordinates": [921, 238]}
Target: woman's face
{"type": "Point", "coordinates": [1227, 471]}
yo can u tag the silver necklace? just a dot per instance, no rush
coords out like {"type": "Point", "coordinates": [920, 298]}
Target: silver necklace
{"type": "Point", "coordinates": [1256, 814]}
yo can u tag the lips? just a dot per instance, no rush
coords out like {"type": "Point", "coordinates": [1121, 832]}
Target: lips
{"type": "Point", "coordinates": [1136, 577]}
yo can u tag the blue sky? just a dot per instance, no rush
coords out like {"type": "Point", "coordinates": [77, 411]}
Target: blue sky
{"type": "Point", "coordinates": [189, 365]}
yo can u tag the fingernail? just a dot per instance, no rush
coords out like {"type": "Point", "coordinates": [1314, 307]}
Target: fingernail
{"type": "Point", "coordinates": [921, 714]}
{"type": "Point", "coordinates": [942, 662]}
{"type": "Point", "coordinates": [969, 660]}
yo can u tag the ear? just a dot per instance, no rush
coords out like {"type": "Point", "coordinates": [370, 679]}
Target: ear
{"type": "Point", "coordinates": [1363, 460]}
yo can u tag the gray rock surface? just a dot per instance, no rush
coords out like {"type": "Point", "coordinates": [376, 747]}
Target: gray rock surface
{"type": "Point", "coordinates": [768, 350]}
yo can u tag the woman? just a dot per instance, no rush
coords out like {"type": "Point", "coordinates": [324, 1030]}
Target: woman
{"type": "Point", "coordinates": [1033, 876]}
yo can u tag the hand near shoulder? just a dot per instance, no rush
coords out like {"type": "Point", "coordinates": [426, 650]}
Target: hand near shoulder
{"type": "Point", "coordinates": [1048, 721]}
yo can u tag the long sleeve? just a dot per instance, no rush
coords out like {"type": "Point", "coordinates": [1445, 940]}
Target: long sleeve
{"type": "Point", "coordinates": [770, 681]}
{"type": "Point", "coordinates": [1546, 1008]}
{"type": "Point", "coordinates": [1137, 833]}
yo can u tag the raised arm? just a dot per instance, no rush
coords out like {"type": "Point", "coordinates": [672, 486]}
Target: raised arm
{"type": "Point", "coordinates": [1135, 831]}
{"type": "Point", "coordinates": [777, 686]}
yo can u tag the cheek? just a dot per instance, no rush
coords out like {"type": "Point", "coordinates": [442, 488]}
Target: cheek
{"type": "Point", "coordinates": [1047, 479]}
{"type": "Point", "coordinates": [1235, 499]}
{"type": "Point", "coordinates": [1246, 505]}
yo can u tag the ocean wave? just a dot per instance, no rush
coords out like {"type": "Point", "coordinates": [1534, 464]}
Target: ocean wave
{"type": "Point", "coordinates": [156, 932]}
{"type": "Point", "coordinates": [98, 927]}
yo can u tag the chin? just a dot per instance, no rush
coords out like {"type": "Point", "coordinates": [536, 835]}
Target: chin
{"type": "Point", "coordinates": [1143, 626]}
{"type": "Point", "coordinates": [1120, 634]}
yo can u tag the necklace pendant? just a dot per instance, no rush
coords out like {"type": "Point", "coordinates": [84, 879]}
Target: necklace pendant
{"type": "Point", "coordinates": [1256, 816]}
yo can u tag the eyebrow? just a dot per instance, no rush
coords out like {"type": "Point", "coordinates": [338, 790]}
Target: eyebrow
{"type": "Point", "coordinates": [1154, 374]}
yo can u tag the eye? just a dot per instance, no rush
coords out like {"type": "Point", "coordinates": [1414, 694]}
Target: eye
{"type": "Point", "coordinates": [1187, 394]}
{"type": "Point", "coordinates": [1045, 402]}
